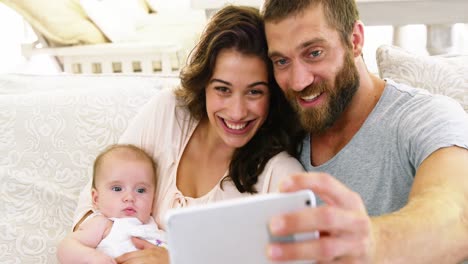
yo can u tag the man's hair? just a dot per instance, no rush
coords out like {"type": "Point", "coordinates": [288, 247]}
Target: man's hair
{"type": "Point", "coordinates": [128, 151]}
{"type": "Point", "coordinates": [240, 29]}
{"type": "Point", "coordinates": [340, 14]}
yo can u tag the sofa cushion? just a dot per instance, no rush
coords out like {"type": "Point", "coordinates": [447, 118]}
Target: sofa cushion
{"type": "Point", "coordinates": [51, 129]}
{"type": "Point", "coordinates": [62, 22]}
{"type": "Point", "coordinates": [447, 75]}
{"type": "Point", "coordinates": [127, 21]}
{"type": "Point", "coordinates": [117, 19]}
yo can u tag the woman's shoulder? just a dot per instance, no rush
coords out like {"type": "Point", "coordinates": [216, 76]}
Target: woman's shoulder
{"type": "Point", "coordinates": [167, 99]}
{"type": "Point", "coordinates": [164, 105]}
{"type": "Point", "coordinates": [278, 167]}
{"type": "Point", "coordinates": [283, 158]}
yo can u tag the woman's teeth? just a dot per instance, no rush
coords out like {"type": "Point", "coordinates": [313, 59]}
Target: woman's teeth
{"type": "Point", "coordinates": [235, 126]}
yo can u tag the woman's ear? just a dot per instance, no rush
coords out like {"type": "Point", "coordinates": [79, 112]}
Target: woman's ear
{"type": "Point", "coordinates": [357, 38]}
{"type": "Point", "coordinates": [94, 197]}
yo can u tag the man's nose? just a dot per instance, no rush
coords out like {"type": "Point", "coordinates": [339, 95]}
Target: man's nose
{"type": "Point", "coordinates": [301, 77]}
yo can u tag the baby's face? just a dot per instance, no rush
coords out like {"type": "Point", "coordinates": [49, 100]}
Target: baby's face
{"type": "Point", "coordinates": [125, 188]}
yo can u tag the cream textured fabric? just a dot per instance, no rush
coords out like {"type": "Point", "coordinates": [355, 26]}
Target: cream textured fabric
{"type": "Point", "coordinates": [182, 29]}
{"type": "Point", "coordinates": [126, 21]}
{"type": "Point", "coordinates": [447, 75]}
{"type": "Point", "coordinates": [117, 19]}
{"type": "Point", "coordinates": [51, 129]}
{"type": "Point", "coordinates": [63, 22]}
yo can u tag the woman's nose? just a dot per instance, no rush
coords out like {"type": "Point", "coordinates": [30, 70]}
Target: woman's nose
{"type": "Point", "coordinates": [237, 108]}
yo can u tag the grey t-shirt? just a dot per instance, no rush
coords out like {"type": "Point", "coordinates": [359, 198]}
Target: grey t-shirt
{"type": "Point", "coordinates": [404, 128]}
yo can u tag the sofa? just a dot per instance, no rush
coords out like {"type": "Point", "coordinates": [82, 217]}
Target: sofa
{"type": "Point", "coordinates": [52, 127]}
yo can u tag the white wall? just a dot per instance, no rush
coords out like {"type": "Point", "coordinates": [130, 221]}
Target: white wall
{"type": "Point", "coordinates": [13, 32]}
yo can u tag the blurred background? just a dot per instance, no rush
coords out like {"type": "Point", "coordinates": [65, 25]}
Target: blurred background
{"type": "Point", "coordinates": [16, 31]}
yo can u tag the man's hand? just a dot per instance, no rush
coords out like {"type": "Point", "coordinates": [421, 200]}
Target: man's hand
{"type": "Point", "coordinates": [343, 223]}
{"type": "Point", "coordinates": [147, 253]}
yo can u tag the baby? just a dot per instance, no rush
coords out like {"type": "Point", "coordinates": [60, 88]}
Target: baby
{"type": "Point", "coordinates": [124, 181]}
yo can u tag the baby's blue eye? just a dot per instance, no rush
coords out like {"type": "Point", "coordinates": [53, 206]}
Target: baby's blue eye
{"type": "Point", "coordinates": [117, 188]}
{"type": "Point", "coordinates": [141, 190]}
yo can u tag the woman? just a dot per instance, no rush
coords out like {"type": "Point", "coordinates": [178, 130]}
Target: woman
{"type": "Point", "coordinates": [216, 137]}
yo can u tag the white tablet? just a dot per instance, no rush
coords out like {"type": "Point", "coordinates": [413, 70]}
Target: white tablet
{"type": "Point", "coordinates": [233, 231]}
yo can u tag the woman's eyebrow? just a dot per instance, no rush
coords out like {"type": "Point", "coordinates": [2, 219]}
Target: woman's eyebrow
{"type": "Point", "coordinates": [221, 81]}
{"type": "Point", "coordinates": [250, 85]}
{"type": "Point", "coordinates": [257, 83]}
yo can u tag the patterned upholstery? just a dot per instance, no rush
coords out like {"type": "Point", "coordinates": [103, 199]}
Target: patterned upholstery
{"type": "Point", "coordinates": [447, 75]}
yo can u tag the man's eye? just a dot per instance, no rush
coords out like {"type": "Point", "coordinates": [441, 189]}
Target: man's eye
{"type": "Point", "coordinates": [141, 190]}
{"type": "Point", "coordinates": [281, 62]}
{"type": "Point", "coordinates": [315, 53]}
{"type": "Point", "coordinates": [117, 188]}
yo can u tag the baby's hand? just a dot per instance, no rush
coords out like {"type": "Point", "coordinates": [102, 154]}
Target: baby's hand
{"type": "Point", "coordinates": [100, 258]}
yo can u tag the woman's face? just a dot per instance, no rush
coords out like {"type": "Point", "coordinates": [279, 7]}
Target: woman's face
{"type": "Point", "coordinates": [237, 97]}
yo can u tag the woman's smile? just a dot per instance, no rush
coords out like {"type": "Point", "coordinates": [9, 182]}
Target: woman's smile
{"type": "Point", "coordinates": [237, 128]}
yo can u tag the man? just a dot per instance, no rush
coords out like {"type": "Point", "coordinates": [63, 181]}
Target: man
{"type": "Point", "coordinates": [389, 162]}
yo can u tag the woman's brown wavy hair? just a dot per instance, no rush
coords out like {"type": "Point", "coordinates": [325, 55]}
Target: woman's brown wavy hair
{"type": "Point", "coordinates": [240, 29]}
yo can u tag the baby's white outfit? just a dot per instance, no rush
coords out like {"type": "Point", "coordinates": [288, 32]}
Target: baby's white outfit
{"type": "Point", "coordinates": [118, 241]}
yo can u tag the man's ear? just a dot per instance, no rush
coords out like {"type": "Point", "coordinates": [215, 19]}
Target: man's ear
{"type": "Point", "coordinates": [94, 197]}
{"type": "Point", "coordinates": [357, 38]}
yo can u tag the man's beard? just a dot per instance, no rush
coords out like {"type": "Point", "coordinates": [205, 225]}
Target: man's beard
{"type": "Point", "coordinates": [316, 120]}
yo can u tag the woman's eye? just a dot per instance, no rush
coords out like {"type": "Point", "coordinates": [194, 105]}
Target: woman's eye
{"type": "Point", "coordinates": [221, 89]}
{"type": "Point", "coordinates": [117, 188]}
{"type": "Point", "coordinates": [141, 190]}
{"type": "Point", "coordinates": [255, 92]}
